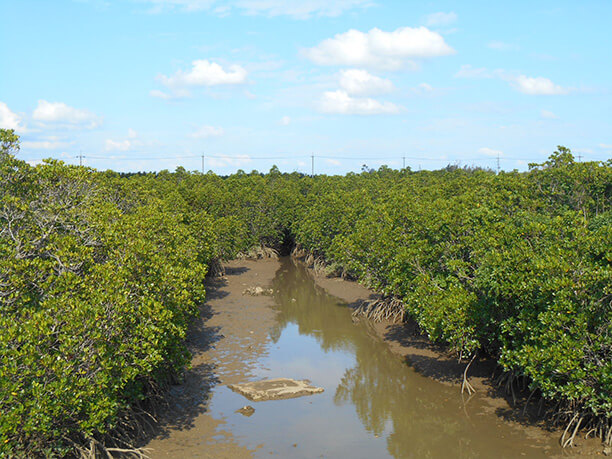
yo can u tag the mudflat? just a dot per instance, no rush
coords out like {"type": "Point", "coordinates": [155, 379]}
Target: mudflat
{"type": "Point", "coordinates": [226, 342]}
{"type": "Point", "coordinates": [374, 405]}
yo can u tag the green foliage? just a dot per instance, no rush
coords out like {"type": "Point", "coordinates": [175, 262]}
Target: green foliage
{"type": "Point", "coordinates": [101, 273]}
{"type": "Point", "coordinates": [515, 265]}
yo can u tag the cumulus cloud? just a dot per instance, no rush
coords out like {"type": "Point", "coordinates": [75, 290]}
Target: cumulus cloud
{"type": "Point", "coordinates": [285, 121]}
{"type": "Point", "coordinates": [340, 102]}
{"type": "Point", "coordinates": [8, 118]}
{"type": "Point", "coordinates": [379, 49]}
{"type": "Point", "coordinates": [548, 115]}
{"type": "Point", "coordinates": [60, 114]}
{"type": "Point", "coordinates": [440, 19]}
{"type": "Point", "coordinates": [205, 132]}
{"type": "Point", "coordinates": [298, 9]}
{"type": "Point", "coordinates": [536, 86]}
{"type": "Point", "coordinates": [118, 145]}
{"type": "Point", "coordinates": [425, 87]}
{"type": "Point", "coordinates": [362, 83]}
{"type": "Point", "coordinates": [124, 145]}
{"type": "Point", "coordinates": [203, 73]}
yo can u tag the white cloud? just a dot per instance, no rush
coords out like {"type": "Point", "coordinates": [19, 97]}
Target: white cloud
{"type": "Point", "coordinates": [548, 115]}
{"type": "Point", "coordinates": [203, 73]}
{"type": "Point", "coordinates": [285, 121]}
{"type": "Point", "coordinates": [425, 87]}
{"type": "Point", "coordinates": [341, 102]}
{"type": "Point", "coordinates": [9, 119]}
{"type": "Point", "coordinates": [160, 94]}
{"type": "Point", "coordinates": [58, 113]}
{"type": "Point", "coordinates": [299, 9]}
{"type": "Point", "coordinates": [207, 131]}
{"type": "Point", "coordinates": [52, 143]}
{"type": "Point", "coordinates": [362, 83]}
{"type": "Point", "coordinates": [379, 49]}
{"type": "Point", "coordinates": [490, 152]}
{"type": "Point", "coordinates": [501, 46]}
{"type": "Point", "coordinates": [605, 145]}
{"type": "Point", "coordinates": [118, 145]}
{"type": "Point", "coordinates": [333, 162]}
{"type": "Point", "coordinates": [440, 19]}
{"type": "Point", "coordinates": [522, 83]}
{"type": "Point", "coordinates": [183, 5]}
{"type": "Point", "coordinates": [536, 86]}
{"type": "Point", "coordinates": [125, 144]}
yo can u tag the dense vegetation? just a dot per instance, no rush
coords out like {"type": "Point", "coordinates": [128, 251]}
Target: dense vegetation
{"type": "Point", "coordinates": [101, 273]}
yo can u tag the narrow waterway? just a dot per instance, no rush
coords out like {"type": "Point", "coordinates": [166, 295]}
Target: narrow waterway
{"type": "Point", "coordinates": [374, 404]}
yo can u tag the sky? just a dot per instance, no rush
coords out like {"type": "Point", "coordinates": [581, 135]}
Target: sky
{"type": "Point", "coordinates": [139, 85]}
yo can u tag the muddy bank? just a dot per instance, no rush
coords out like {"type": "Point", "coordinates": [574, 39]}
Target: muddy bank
{"type": "Point", "coordinates": [374, 404]}
{"type": "Point", "coordinates": [226, 341]}
{"type": "Point", "coordinates": [436, 362]}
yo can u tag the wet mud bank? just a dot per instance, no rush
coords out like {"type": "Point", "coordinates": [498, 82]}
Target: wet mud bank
{"type": "Point", "coordinates": [226, 341]}
{"type": "Point", "coordinates": [435, 361]}
{"type": "Point", "coordinates": [387, 391]}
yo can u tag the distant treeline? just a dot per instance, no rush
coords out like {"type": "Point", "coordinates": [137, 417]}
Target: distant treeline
{"type": "Point", "coordinates": [101, 274]}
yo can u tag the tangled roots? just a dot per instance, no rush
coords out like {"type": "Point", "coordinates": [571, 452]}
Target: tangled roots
{"type": "Point", "coordinates": [216, 268]}
{"type": "Point", "coordinates": [259, 253]}
{"type": "Point", "coordinates": [569, 415]}
{"type": "Point", "coordinates": [382, 309]}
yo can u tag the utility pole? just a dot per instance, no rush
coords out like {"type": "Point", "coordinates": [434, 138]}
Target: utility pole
{"type": "Point", "coordinates": [403, 162]}
{"type": "Point", "coordinates": [80, 157]}
{"type": "Point", "coordinates": [203, 157]}
{"type": "Point", "coordinates": [579, 158]}
{"type": "Point", "coordinates": [312, 165]}
{"type": "Point", "coordinates": [498, 162]}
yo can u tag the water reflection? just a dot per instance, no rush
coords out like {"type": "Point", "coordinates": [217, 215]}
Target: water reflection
{"type": "Point", "coordinates": [417, 416]}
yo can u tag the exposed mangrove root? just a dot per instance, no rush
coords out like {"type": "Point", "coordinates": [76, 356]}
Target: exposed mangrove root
{"type": "Point", "coordinates": [215, 268]}
{"type": "Point", "coordinates": [465, 385]}
{"type": "Point", "coordinates": [298, 251]}
{"type": "Point", "coordinates": [527, 402]}
{"type": "Point", "coordinates": [258, 253]}
{"type": "Point", "coordinates": [570, 415]}
{"type": "Point", "coordinates": [97, 450]}
{"type": "Point", "coordinates": [382, 309]}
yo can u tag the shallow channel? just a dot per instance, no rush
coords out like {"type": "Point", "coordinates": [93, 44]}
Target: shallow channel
{"type": "Point", "coordinates": [374, 405]}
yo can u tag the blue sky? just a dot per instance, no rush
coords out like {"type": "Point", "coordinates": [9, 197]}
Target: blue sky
{"type": "Point", "coordinates": [154, 84]}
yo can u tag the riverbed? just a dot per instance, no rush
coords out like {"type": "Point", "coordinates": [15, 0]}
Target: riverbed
{"type": "Point", "coordinates": [378, 401]}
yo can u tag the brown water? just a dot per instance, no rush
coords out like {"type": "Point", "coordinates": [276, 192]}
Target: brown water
{"type": "Point", "coordinates": [374, 404]}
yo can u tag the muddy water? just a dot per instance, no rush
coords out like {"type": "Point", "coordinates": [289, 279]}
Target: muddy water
{"type": "Point", "coordinates": [374, 404]}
